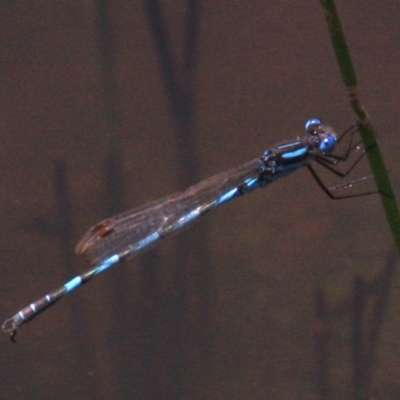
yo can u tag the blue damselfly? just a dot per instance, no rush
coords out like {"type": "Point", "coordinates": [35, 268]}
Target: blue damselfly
{"type": "Point", "coordinates": [115, 239]}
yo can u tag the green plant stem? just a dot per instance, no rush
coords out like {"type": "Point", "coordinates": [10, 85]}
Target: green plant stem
{"type": "Point", "coordinates": [377, 164]}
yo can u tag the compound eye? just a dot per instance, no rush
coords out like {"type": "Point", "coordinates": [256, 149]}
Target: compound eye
{"type": "Point", "coordinates": [327, 145]}
{"type": "Point", "coordinates": [312, 126]}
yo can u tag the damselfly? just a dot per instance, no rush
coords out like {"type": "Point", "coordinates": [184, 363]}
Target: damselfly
{"type": "Point", "coordinates": [115, 239]}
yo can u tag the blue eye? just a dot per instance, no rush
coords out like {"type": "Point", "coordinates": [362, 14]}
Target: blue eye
{"type": "Point", "coordinates": [310, 124]}
{"type": "Point", "coordinates": [327, 145]}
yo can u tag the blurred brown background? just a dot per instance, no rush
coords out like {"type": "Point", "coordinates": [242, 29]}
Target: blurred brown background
{"type": "Point", "coordinates": [111, 104]}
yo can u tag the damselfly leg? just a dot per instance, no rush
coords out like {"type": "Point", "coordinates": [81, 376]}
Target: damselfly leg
{"type": "Point", "coordinates": [331, 161]}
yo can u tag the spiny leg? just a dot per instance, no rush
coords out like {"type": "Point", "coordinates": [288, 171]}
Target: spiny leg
{"type": "Point", "coordinates": [327, 163]}
{"type": "Point", "coordinates": [330, 161]}
{"type": "Point", "coordinates": [330, 191]}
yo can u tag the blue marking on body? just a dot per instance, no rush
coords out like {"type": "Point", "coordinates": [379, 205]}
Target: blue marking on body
{"type": "Point", "coordinates": [147, 240]}
{"type": "Point", "coordinates": [187, 218]}
{"type": "Point", "coordinates": [227, 196]}
{"type": "Point", "coordinates": [251, 181]}
{"type": "Point", "coordinates": [249, 185]}
{"type": "Point", "coordinates": [72, 284]}
{"type": "Point", "coordinates": [295, 154]}
{"type": "Point", "coordinates": [107, 263]}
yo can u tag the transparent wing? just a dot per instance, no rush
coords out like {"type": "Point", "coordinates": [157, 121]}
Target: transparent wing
{"type": "Point", "coordinates": [131, 231]}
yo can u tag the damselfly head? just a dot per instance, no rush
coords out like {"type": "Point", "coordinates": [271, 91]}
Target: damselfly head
{"type": "Point", "coordinates": [324, 136]}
